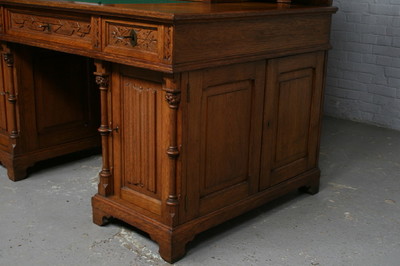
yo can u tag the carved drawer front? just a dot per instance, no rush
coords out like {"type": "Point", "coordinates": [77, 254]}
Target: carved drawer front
{"type": "Point", "coordinates": [50, 25]}
{"type": "Point", "coordinates": [139, 40]}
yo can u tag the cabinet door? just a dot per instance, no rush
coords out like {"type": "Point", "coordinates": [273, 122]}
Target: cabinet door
{"type": "Point", "coordinates": [224, 118]}
{"type": "Point", "coordinates": [139, 146]}
{"type": "Point", "coordinates": [291, 117]}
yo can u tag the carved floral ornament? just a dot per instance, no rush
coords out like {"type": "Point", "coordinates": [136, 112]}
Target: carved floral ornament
{"type": "Point", "coordinates": [173, 98]}
{"type": "Point", "coordinates": [102, 81]}
{"type": "Point", "coordinates": [58, 26]}
{"type": "Point", "coordinates": [146, 37]}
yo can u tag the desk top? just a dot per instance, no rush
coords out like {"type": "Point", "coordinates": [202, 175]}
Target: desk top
{"type": "Point", "coordinates": [172, 36]}
{"type": "Point", "coordinates": [172, 10]}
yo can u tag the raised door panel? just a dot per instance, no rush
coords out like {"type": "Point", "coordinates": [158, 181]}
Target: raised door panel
{"type": "Point", "coordinates": [292, 117]}
{"type": "Point", "coordinates": [224, 135]}
{"type": "Point", "coordinates": [292, 131]}
{"type": "Point", "coordinates": [138, 107]}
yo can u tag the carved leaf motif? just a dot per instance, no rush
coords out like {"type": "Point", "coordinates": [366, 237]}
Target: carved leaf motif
{"type": "Point", "coordinates": [96, 35]}
{"type": "Point", "coordinates": [173, 98]}
{"type": "Point", "coordinates": [50, 25]}
{"type": "Point", "coordinates": [146, 37]}
{"type": "Point", "coordinates": [168, 44]}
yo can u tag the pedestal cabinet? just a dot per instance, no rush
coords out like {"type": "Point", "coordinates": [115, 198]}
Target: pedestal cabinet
{"type": "Point", "coordinates": [235, 137]}
{"type": "Point", "coordinates": [208, 109]}
{"type": "Point", "coordinates": [49, 106]}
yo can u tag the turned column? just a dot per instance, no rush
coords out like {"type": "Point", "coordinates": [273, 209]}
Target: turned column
{"type": "Point", "coordinates": [10, 91]}
{"type": "Point", "coordinates": [173, 98]}
{"type": "Point", "coordinates": [16, 170]}
{"type": "Point", "coordinates": [105, 187]}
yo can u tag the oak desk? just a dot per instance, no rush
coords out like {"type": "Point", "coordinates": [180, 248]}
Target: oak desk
{"type": "Point", "coordinates": [207, 109]}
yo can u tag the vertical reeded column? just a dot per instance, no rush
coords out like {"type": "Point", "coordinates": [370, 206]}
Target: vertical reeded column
{"type": "Point", "coordinates": [173, 98]}
{"type": "Point", "coordinates": [10, 90]}
{"type": "Point", "coordinates": [105, 187]}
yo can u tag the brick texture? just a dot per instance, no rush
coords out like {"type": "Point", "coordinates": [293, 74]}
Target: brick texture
{"type": "Point", "coordinates": [363, 79]}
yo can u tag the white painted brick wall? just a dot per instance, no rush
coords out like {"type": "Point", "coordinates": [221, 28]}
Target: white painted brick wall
{"type": "Point", "coordinates": [363, 79]}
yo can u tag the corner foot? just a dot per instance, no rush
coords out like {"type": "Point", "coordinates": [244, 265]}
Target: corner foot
{"type": "Point", "coordinates": [172, 246]}
{"type": "Point", "coordinates": [100, 218]}
{"type": "Point", "coordinates": [172, 252]}
{"type": "Point", "coordinates": [17, 173]}
{"type": "Point", "coordinates": [312, 188]}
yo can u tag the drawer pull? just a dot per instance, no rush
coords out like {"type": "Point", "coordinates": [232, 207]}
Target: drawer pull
{"type": "Point", "coordinates": [132, 36]}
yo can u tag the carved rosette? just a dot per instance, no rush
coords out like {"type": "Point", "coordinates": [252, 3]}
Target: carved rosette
{"type": "Point", "coordinates": [102, 81]}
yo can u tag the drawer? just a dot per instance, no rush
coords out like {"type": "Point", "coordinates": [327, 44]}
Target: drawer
{"type": "Point", "coordinates": [138, 40]}
{"type": "Point", "coordinates": [73, 30]}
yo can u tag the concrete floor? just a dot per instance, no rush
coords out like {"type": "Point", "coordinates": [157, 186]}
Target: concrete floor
{"type": "Point", "coordinates": [354, 220]}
